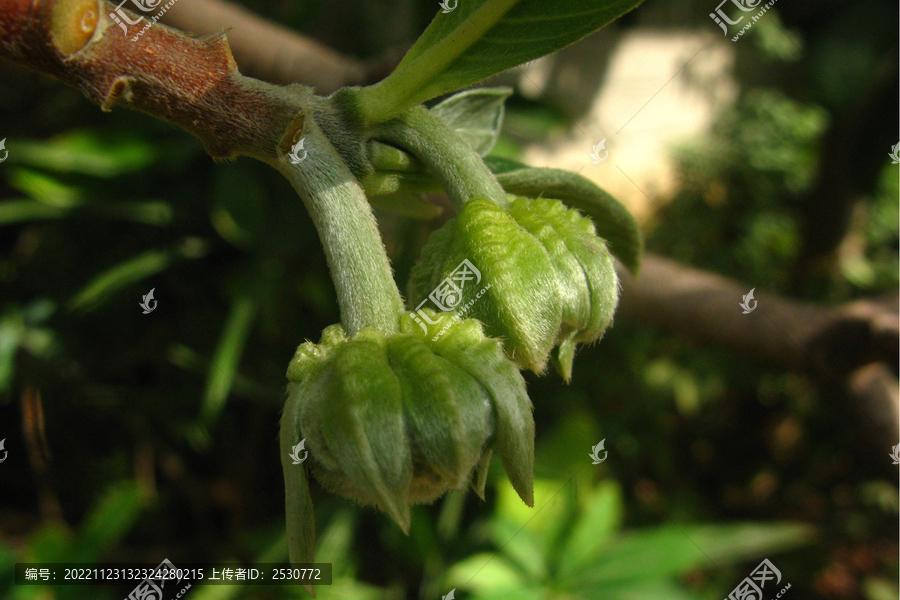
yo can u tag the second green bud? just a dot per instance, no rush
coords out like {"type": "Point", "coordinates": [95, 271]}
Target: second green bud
{"type": "Point", "coordinates": [534, 273]}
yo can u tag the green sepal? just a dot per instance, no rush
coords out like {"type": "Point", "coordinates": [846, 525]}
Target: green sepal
{"type": "Point", "coordinates": [401, 419]}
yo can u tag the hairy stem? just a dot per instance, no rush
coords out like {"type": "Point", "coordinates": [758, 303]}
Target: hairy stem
{"type": "Point", "coordinates": [460, 169]}
{"type": "Point", "coordinates": [367, 294]}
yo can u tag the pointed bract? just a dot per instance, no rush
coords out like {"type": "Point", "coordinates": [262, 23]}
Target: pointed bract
{"type": "Point", "coordinates": [547, 278]}
{"type": "Point", "coordinates": [398, 420]}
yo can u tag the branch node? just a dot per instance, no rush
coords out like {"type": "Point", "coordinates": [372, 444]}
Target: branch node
{"type": "Point", "coordinates": [72, 24]}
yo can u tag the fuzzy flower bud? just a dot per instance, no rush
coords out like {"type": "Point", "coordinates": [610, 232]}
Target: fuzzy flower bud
{"type": "Point", "coordinates": [395, 420]}
{"type": "Point", "coordinates": [552, 279]}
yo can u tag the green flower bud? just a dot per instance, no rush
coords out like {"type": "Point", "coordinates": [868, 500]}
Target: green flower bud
{"type": "Point", "coordinates": [550, 280]}
{"type": "Point", "coordinates": [395, 420]}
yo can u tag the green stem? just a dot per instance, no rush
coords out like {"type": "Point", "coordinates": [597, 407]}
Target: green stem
{"type": "Point", "coordinates": [460, 169]}
{"type": "Point", "coordinates": [367, 294]}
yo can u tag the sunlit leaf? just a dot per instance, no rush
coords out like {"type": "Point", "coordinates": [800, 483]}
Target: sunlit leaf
{"type": "Point", "coordinates": [520, 546]}
{"type": "Point", "coordinates": [104, 286]}
{"type": "Point", "coordinates": [672, 550]}
{"type": "Point", "coordinates": [480, 38]}
{"type": "Point", "coordinates": [483, 573]}
{"type": "Point", "coordinates": [599, 520]}
{"type": "Point", "coordinates": [150, 213]}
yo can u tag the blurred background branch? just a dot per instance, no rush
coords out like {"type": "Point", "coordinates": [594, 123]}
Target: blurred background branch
{"type": "Point", "coordinates": [269, 51]}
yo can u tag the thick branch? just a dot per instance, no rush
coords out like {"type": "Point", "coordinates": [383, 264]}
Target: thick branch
{"type": "Point", "coordinates": [267, 50]}
{"type": "Point", "coordinates": [829, 342]}
{"type": "Point", "coordinates": [192, 83]}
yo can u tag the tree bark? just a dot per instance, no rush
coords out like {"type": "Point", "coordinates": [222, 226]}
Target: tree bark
{"type": "Point", "coordinates": [192, 83]}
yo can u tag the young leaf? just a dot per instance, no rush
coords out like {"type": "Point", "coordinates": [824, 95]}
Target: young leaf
{"type": "Point", "coordinates": [613, 221]}
{"type": "Point", "coordinates": [481, 38]}
{"type": "Point", "coordinates": [476, 115]}
{"type": "Point", "coordinates": [601, 516]}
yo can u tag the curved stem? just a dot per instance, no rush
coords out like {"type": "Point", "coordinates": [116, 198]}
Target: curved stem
{"type": "Point", "coordinates": [367, 294]}
{"type": "Point", "coordinates": [459, 168]}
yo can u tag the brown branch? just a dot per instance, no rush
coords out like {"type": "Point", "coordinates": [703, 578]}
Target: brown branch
{"type": "Point", "coordinates": [828, 342]}
{"type": "Point", "coordinates": [268, 50]}
{"type": "Point", "coordinates": [192, 83]}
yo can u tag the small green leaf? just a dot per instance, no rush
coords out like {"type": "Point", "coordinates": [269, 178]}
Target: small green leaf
{"type": "Point", "coordinates": [476, 115]}
{"type": "Point", "coordinates": [600, 518]}
{"type": "Point", "coordinates": [385, 157]}
{"type": "Point", "coordinates": [46, 188]}
{"type": "Point", "coordinates": [149, 213]}
{"type": "Point", "coordinates": [85, 152]}
{"type": "Point", "coordinates": [480, 38]}
{"type": "Point", "coordinates": [109, 522]}
{"type": "Point", "coordinates": [521, 547]}
{"type": "Point", "coordinates": [485, 573]}
{"type": "Point", "coordinates": [105, 285]}
{"type": "Point", "coordinates": [111, 281]}
{"type": "Point", "coordinates": [672, 550]}
{"type": "Point", "coordinates": [12, 330]}
{"type": "Point", "coordinates": [18, 211]}
{"type": "Point", "coordinates": [613, 221]}
{"type": "Point", "coordinates": [224, 364]}
{"type": "Point", "coordinates": [239, 212]}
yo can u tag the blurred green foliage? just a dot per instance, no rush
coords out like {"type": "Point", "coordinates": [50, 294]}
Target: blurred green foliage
{"type": "Point", "coordinates": [162, 427]}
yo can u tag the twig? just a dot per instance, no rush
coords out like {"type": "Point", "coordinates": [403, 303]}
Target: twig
{"type": "Point", "coordinates": [827, 342]}
{"type": "Point", "coordinates": [192, 83]}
